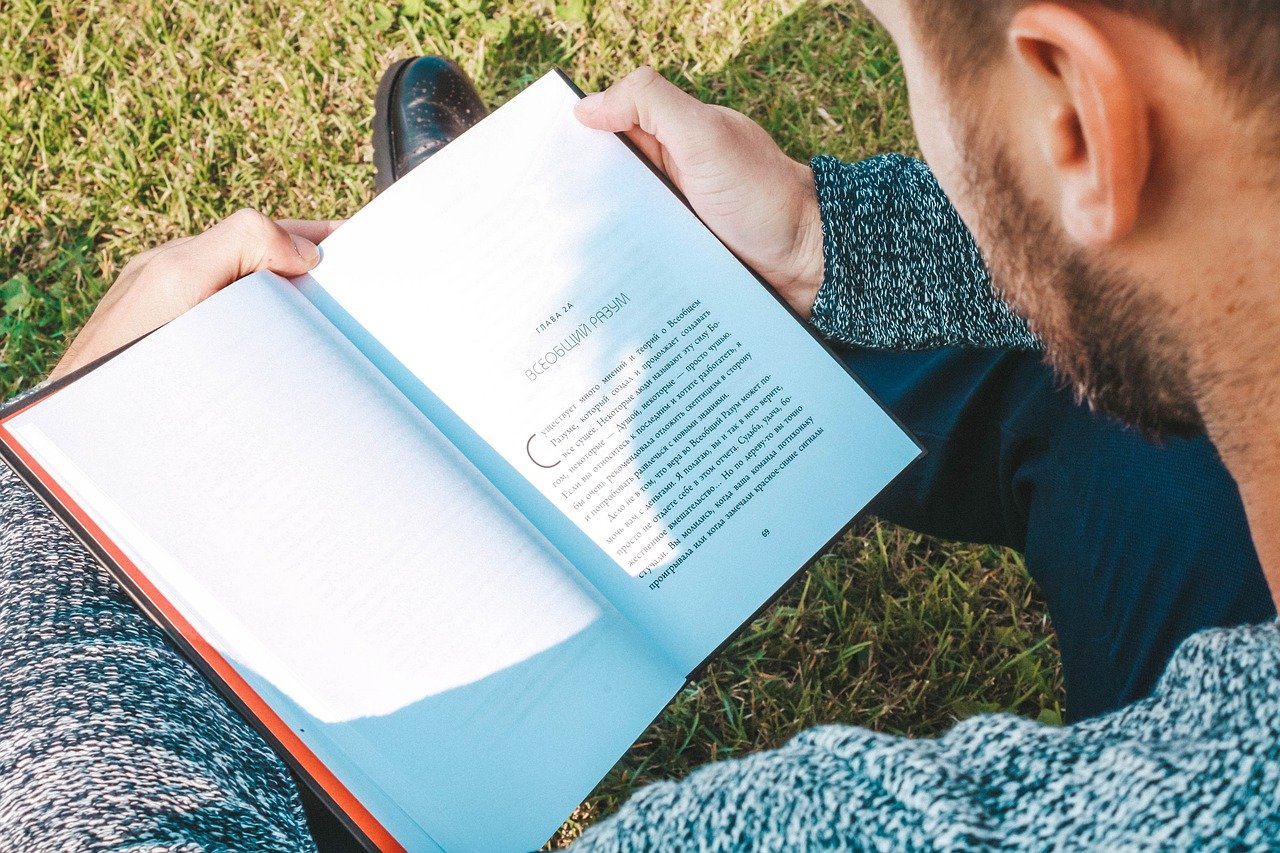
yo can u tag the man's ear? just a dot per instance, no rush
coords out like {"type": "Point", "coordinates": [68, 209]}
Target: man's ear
{"type": "Point", "coordinates": [1094, 128]}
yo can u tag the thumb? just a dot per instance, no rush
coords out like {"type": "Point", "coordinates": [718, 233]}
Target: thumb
{"type": "Point", "coordinates": [245, 242]}
{"type": "Point", "coordinates": [646, 100]}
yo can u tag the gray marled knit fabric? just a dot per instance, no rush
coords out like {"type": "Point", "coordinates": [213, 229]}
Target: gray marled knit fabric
{"type": "Point", "coordinates": [902, 270]}
{"type": "Point", "coordinates": [1196, 766]}
{"type": "Point", "coordinates": [109, 739]}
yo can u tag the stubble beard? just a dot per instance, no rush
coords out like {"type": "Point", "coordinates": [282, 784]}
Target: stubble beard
{"type": "Point", "coordinates": [1105, 338]}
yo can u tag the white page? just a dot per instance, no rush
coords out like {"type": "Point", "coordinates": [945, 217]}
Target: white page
{"type": "Point", "coordinates": [545, 285]}
{"type": "Point", "coordinates": [294, 507]}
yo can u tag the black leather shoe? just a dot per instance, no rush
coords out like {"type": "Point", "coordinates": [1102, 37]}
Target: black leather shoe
{"type": "Point", "coordinates": [423, 104]}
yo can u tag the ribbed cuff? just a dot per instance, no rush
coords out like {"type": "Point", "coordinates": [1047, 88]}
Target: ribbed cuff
{"type": "Point", "coordinates": [836, 193]}
{"type": "Point", "coordinates": [901, 269]}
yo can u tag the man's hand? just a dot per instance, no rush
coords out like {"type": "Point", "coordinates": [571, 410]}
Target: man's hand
{"type": "Point", "coordinates": [756, 199]}
{"type": "Point", "coordinates": [162, 283]}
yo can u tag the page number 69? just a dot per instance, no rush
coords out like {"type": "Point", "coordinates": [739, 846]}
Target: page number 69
{"type": "Point", "coordinates": [764, 534]}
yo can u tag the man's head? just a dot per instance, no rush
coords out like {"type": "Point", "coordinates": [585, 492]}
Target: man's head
{"type": "Point", "coordinates": [1111, 158]}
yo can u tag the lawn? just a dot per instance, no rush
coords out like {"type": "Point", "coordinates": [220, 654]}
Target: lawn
{"type": "Point", "coordinates": [128, 122]}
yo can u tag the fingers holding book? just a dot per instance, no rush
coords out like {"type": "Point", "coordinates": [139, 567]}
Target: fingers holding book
{"type": "Point", "coordinates": [761, 203]}
{"type": "Point", "coordinates": [162, 283]}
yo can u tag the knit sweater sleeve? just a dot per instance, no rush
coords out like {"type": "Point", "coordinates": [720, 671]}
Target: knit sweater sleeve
{"type": "Point", "coordinates": [1196, 763]}
{"type": "Point", "coordinates": [902, 270]}
{"type": "Point", "coordinates": [109, 738]}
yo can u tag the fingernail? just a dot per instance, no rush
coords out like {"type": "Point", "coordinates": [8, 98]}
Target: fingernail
{"type": "Point", "coordinates": [305, 248]}
{"type": "Point", "coordinates": [590, 103]}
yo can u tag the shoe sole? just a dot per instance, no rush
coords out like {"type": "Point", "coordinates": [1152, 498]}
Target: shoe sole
{"type": "Point", "coordinates": [384, 170]}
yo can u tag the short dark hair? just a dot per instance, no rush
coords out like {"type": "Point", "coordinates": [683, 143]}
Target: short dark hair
{"type": "Point", "coordinates": [1237, 41]}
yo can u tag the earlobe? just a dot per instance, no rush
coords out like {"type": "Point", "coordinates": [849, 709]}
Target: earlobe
{"type": "Point", "coordinates": [1095, 130]}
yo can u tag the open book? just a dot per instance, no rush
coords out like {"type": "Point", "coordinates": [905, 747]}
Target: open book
{"type": "Point", "coordinates": [453, 517]}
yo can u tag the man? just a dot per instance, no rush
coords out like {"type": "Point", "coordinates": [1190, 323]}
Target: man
{"type": "Point", "coordinates": [1118, 163]}
{"type": "Point", "coordinates": [1086, 148]}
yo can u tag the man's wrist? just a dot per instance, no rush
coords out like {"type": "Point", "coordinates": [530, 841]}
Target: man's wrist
{"type": "Point", "coordinates": [808, 262]}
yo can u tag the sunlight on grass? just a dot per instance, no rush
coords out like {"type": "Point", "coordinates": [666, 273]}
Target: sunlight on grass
{"type": "Point", "coordinates": [128, 123]}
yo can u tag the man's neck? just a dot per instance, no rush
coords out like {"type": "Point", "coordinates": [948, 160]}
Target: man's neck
{"type": "Point", "coordinates": [1238, 366]}
{"type": "Point", "coordinates": [1260, 492]}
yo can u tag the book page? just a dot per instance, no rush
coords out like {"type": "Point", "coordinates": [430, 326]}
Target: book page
{"type": "Point", "coordinates": [575, 316]}
{"type": "Point", "coordinates": [331, 544]}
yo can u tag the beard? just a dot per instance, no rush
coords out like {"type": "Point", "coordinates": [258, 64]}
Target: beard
{"type": "Point", "coordinates": [1105, 337]}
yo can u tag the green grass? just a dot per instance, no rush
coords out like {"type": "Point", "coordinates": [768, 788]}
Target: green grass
{"type": "Point", "coordinates": [128, 122]}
